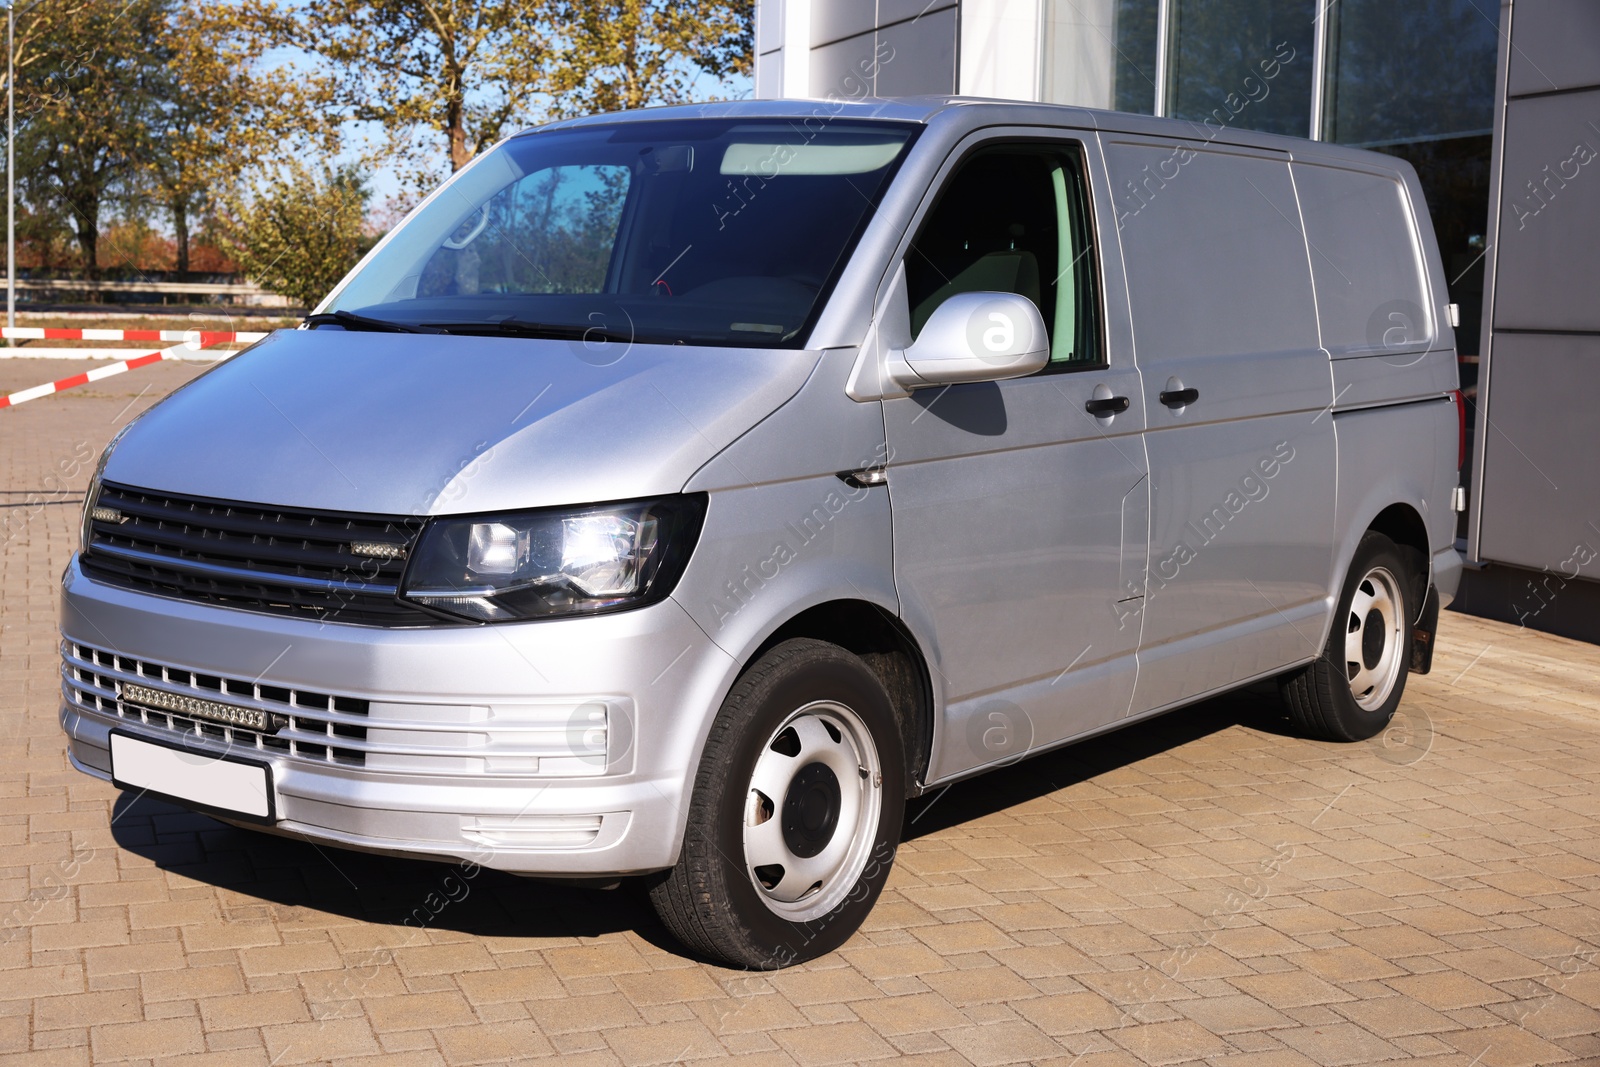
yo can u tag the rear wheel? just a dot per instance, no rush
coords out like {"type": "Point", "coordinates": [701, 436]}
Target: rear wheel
{"type": "Point", "coordinates": [1351, 691]}
{"type": "Point", "coordinates": [795, 813]}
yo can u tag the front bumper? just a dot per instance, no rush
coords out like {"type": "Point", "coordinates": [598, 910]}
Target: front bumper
{"type": "Point", "coordinates": [558, 747]}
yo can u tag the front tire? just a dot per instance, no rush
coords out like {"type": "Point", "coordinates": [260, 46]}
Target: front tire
{"type": "Point", "coordinates": [1351, 691]}
{"type": "Point", "coordinates": [795, 813]}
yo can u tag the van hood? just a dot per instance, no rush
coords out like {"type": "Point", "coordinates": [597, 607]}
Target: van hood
{"type": "Point", "coordinates": [410, 424]}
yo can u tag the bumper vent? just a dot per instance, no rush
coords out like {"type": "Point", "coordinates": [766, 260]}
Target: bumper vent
{"type": "Point", "coordinates": [313, 564]}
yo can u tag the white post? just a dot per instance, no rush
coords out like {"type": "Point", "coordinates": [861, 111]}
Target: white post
{"type": "Point", "coordinates": [797, 48]}
{"type": "Point", "coordinates": [1163, 56]}
{"type": "Point", "coordinates": [1319, 70]}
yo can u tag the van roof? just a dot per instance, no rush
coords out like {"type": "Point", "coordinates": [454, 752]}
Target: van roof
{"type": "Point", "coordinates": [977, 112]}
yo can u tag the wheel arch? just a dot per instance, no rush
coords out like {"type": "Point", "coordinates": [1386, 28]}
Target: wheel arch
{"type": "Point", "coordinates": [887, 647]}
{"type": "Point", "coordinates": [1404, 525]}
{"type": "Point", "coordinates": [1389, 482]}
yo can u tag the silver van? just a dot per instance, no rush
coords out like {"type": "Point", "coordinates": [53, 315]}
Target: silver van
{"type": "Point", "coordinates": [676, 493]}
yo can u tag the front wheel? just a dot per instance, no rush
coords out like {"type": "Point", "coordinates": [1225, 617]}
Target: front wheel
{"type": "Point", "coordinates": [795, 814]}
{"type": "Point", "coordinates": [1351, 691]}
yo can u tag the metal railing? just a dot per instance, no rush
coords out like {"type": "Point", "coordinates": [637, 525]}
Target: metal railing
{"type": "Point", "coordinates": [244, 290]}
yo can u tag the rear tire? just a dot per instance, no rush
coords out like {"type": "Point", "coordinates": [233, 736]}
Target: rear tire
{"type": "Point", "coordinates": [795, 813]}
{"type": "Point", "coordinates": [1351, 691]}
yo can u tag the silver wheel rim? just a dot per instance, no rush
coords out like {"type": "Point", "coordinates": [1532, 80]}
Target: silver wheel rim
{"type": "Point", "coordinates": [790, 809]}
{"type": "Point", "coordinates": [1373, 641]}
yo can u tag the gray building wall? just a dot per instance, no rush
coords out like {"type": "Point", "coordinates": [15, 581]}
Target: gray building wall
{"type": "Point", "coordinates": [894, 47]}
{"type": "Point", "coordinates": [849, 49]}
{"type": "Point", "coordinates": [1534, 516]}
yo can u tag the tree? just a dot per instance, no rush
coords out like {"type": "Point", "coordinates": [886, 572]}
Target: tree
{"type": "Point", "coordinates": [621, 54]}
{"type": "Point", "coordinates": [92, 85]}
{"type": "Point", "coordinates": [35, 22]}
{"type": "Point", "coordinates": [469, 72]}
{"type": "Point", "coordinates": [302, 231]}
{"type": "Point", "coordinates": [461, 68]}
{"type": "Point", "coordinates": [223, 113]}
{"type": "Point", "coordinates": [177, 107]}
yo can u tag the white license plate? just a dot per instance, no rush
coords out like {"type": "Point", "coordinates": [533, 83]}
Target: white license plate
{"type": "Point", "coordinates": [228, 786]}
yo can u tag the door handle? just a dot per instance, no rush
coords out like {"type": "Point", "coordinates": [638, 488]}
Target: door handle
{"type": "Point", "coordinates": [1177, 398]}
{"type": "Point", "coordinates": [1100, 407]}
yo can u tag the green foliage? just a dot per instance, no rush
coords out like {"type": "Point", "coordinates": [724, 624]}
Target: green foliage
{"type": "Point", "coordinates": [462, 69]}
{"type": "Point", "coordinates": [452, 77]}
{"type": "Point", "coordinates": [222, 114]}
{"type": "Point", "coordinates": [301, 232]}
{"type": "Point", "coordinates": [621, 54]}
{"type": "Point", "coordinates": [87, 108]}
{"type": "Point", "coordinates": [200, 111]}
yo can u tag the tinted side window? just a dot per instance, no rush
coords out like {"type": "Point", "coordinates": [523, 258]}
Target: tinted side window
{"type": "Point", "coordinates": [1013, 219]}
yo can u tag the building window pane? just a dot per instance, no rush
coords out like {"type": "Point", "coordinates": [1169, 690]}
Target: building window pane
{"type": "Point", "coordinates": [1416, 80]}
{"type": "Point", "coordinates": [1454, 174]}
{"type": "Point", "coordinates": [1405, 72]}
{"type": "Point", "coordinates": [1101, 53]}
{"type": "Point", "coordinates": [1242, 64]}
{"type": "Point", "coordinates": [1134, 84]}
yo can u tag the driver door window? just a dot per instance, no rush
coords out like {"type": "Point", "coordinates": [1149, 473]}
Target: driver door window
{"type": "Point", "coordinates": [1013, 218]}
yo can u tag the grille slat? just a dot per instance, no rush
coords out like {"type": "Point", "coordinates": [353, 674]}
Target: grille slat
{"type": "Point", "coordinates": [92, 677]}
{"type": "Point", "coordinates": [246, 521]}
{"type": "Point", "coordinates": [108, 670]}
{"type": "Point", "coordinates": [277, 551]}
{"type": "Point", "coordinates": [281, 561]}
{"type": "Point", "coordinates": [222, 572]}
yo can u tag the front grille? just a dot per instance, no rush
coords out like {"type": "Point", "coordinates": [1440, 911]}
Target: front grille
{"type": "Point", "coordinates": [310, 726]}
{"type": "Point", "coordinates": [556, 738]}
{"type": "Point", "coordinates": [283, 561]}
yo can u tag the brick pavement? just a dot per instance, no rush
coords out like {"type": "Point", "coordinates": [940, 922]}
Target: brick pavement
{"type": "Point", "coordinates": [1202, 888]}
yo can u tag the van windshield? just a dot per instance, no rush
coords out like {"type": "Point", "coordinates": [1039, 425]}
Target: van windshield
{"type": "Point", "coordinates": [703, 231]}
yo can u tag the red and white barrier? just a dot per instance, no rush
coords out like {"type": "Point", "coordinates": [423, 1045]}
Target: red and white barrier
{"type": "Point", "coordinates": [175, 352]}
{"type": "Point", "coordinates": [193, 341]}
{"type": "Point", "coordinates": [203, 338]}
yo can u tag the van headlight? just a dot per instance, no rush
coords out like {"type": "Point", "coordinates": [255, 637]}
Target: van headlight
{"type": "Point", "coordinates": [570, 561]}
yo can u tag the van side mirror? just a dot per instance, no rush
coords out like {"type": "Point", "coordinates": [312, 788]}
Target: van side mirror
{"type": "Point", "coordinates": [974, 337]}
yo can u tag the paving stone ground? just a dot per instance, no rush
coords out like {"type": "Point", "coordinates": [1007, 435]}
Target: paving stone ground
{"type": "Point", "coordinates": [1204, 888]}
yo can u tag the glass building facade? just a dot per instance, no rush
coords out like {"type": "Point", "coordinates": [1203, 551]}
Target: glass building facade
{"type": "Point", "coordinates": [1415, 79]}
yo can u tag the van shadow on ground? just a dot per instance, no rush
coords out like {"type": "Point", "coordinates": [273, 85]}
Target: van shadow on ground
{"type": "Point", "coordinates": [283, 873]}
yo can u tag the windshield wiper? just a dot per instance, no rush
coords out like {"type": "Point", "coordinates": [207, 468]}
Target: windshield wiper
{"type": "Point", "coordinates": [351, 321]}
{"type": "Point", "coordinates": [513, 327]}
